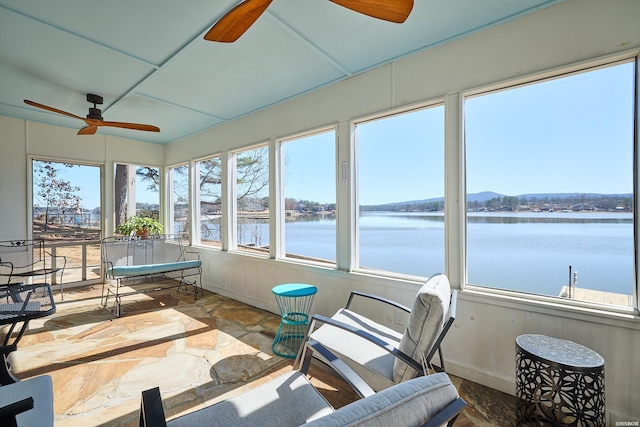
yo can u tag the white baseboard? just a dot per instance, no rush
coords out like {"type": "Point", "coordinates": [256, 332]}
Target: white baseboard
{"type": "Point", "coordinates": [508, 385]}
{"type": "Point", "coordinates": [273, 308]}
{"type": "Point", "coordinates": [487, 379]}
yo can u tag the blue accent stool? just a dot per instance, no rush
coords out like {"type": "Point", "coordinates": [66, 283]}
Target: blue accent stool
{"type": "Point", "coordinates": [294, 302]}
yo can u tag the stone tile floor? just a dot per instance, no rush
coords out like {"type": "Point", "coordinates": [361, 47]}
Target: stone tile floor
{"type": "Point", "coordinates": [197, 352]}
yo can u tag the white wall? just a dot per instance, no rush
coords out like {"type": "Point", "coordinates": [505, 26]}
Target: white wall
{"type": "Point", "coordinates": [22, 140]}
{"type": "Point", "coordinates": [481, 345]}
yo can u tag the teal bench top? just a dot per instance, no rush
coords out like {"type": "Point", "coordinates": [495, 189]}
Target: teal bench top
{"type": "Point", "coordinates": [145, 269]}
{"type": "Point", "coordinates": [294, 290]}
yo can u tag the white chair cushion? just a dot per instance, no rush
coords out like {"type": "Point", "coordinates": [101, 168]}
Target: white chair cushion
{"type": "Point", "coordinates": [425, 324]}
{"type": "Point", "coordinates": [372, 363]}
{"type": "Point", "coordinates": [289, 400]}
{"type": "Point", "coordinates": [411, 403]}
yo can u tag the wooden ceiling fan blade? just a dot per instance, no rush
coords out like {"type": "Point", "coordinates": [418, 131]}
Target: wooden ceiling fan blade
{"type": "Point", "coordinates": [238, 20]}
{"type": "Point", "coordinates": [388, 10]}
{"type": "Point", "coordinates": [133, 126]}
{"type": "Point", "coordinates": [88, 130]}
{"type": "Point", "coordinates": [54, 110]}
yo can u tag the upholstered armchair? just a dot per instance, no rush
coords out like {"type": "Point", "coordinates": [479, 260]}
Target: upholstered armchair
{"type": "Point", "coordinates": [291, 400]}
{"type": "Point", "coordinates": [379, 354]}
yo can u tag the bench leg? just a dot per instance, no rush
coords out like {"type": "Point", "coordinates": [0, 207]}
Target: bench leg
{"type": "Point", "coordinates": [105, 298]}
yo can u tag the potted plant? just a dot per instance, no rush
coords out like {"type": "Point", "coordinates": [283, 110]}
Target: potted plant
{"type": "Point", "coordinates": [140, 226]}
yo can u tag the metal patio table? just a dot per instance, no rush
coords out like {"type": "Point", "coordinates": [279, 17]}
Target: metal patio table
{"type": "Point", "coordinates": [19, 304]}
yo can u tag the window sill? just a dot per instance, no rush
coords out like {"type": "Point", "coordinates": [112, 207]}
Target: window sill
{"type": "Point", "coordinates": [626, 317]}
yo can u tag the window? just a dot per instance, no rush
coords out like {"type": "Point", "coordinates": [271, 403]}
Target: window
{"type": "Point", "coordinates": [66, 214]}
{"type": "Point", "coordinates": [401, 192]}
{"type": "Point", "coordinates": [210, 192]}
{"type": "Point", "coordinates": [252, 199]}
{"type": "Point", "coordinates": [550, 186]}
{"type": "Point", "coordinates": [136, 192]}
{"type": "Point", "coordinates": [178, 221]}
{"type": "Point", "coordinates": [310, 196]}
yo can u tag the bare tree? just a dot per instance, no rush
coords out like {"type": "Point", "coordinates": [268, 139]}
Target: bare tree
{"type": "Point", "coordinates": [252, 178]}
{"type": "Point", "coordinates": [120, 193]}
{"type": "Point", "coordinates": [52, 190]}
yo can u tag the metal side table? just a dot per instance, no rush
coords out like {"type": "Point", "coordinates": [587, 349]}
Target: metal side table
{"type": "Point", "coordinates": [294, 302]}
{"type": "Point", "coordinates": [558, 382]}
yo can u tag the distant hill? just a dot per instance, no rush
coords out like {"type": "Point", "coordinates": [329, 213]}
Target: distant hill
{"type": "Point", "coordinates": [480, 197]}
{"type": "Point", "coordinates": [568, 195]}
{"type": "Point", "coordinates": [485, 196]}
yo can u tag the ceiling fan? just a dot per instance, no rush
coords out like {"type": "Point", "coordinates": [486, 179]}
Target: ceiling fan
{"type": "Point", "coordinates": [94, 118]}
{"type": "Point", "coordinates": [238, 20]}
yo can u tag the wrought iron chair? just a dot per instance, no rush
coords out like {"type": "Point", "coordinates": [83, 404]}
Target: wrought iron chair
{"type": "Point", "coordinates": [24, 259]}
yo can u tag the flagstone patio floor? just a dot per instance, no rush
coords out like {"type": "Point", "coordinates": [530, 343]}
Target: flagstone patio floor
{"type": "Point", "coordinates": [197, 352]}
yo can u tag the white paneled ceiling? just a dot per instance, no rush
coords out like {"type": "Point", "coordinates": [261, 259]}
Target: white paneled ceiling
{"type": "Point", "coordinates": [150, 63]}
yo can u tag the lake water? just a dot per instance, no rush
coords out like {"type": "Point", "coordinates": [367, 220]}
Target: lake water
{"type": "Point", "coordinates": [528, 252]}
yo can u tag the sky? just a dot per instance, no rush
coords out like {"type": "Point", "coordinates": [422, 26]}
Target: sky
{"type": "Point", "coordinates": [572, 134]}
{"type": "Point", "coordinates": [87, 179]}
{"type": "Point", "coordinates": [309, 171]}
{"type": "Point", "coordinates": [566, 135]}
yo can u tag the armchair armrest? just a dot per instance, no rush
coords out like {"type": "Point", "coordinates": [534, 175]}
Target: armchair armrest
{"type": "Point", "coordinates": [367, 336]}
{"type": "Point", "coordinates": [8, 412]}
{"type": "Point", "coordinates": [108, 269]}
{"type": "Point", "coordinates": [7, 264]}
{"type": "Point", "coordinates": [377, 298]}
{"type": "Point", "coordinates": [151, 411]}
{"type": "Point", "coordinates": [341, 368]}
{"type": "Point", "coordinates": [64, 258]}
{"type": "Point", "coordinates": [196, 253]}
{"type": "Point", "coordinates": [447, 415]}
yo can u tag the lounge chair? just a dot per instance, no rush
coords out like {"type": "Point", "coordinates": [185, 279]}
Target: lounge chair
{"type": "Point", "coordinates": [380, 355]}
{"type": "Point", "coordinates": [291, 400]}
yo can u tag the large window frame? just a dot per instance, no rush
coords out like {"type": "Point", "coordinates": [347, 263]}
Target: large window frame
{"type": "Point", "coordinates": [574, 69]}
{"type": "Point", "coordinates": [392, 114]}
{"type": "Point", "coordinates": [286, 212]}
{"type": "Point", "coordinates": [185, 191]}
{"type": "Point", "coordinates": [198, 199]}
{"type": "Point", "coordinates": [80, 245]}
{"type": "Point", "coordinates": [455, 217]}
{"type": "Point", "coordinates": [253, 228]}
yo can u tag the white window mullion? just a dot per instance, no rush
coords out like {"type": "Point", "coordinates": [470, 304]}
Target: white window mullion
{"type": "Point", "coordinates": [194, 208]}
{"type": "Point", "coordinates": [229, 227]}
{"type": "Point", "coordinates": [276, 201]}
{"type": "Point", "coordinates": [455, 193]}
{"type": "Point", "coordinates": [346, 198]}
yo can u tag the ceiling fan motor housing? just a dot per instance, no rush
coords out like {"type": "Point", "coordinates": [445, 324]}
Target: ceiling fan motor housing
{"type": "Point", "coordinates": [94, 113]}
